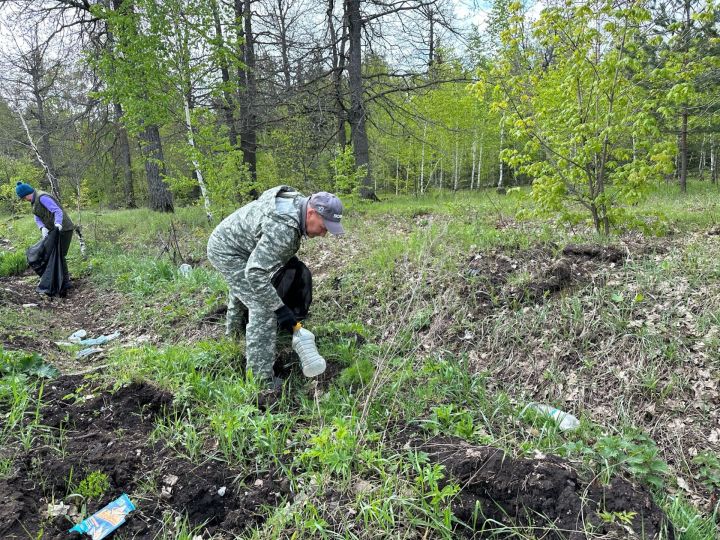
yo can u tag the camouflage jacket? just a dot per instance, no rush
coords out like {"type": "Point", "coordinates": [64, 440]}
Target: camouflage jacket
{"type": "Point", "coordinates": [265, 233]}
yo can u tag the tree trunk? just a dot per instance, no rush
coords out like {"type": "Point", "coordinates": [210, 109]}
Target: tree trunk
{"type": "Point", "coordinates": [356, 115]}
{"type": "Point", "coordinates": [422, 163]}
{"type": "Point", "coordinates": [683, 149]}
{"type": "Point", "coordinates": [228, 103]}
{"type": "Point", "coordinates": [455, 169]}
{"type": "Point", "coordinates": [37, 71]}
{"type": "Point", "coordinates": [125, 158]}
{"type": "Point", "coordinates": [248, 90]}
{"type": "Point", "coordinates": [51, 180]}
{"type": "Point", "coordinates": [397, 175]}
{"type": "Point", "coordinates": [160, 196]}
{"type": "Point", "coordinates": [500, 185]}
{"type": "Point", "coordinates": [431, 54]}
{"type": "Point", "coordinates": [472, 174]}
{"type": "Point", "coordinates": [198, 171]}
{"type": "Point", "coordinates": [338, 65]}
{"type": "Point", "coordinates": [284, 46]}
{"type": "Point", "coordinates": [479, 167]}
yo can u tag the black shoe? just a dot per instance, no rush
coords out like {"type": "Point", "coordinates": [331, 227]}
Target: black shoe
{"type": "Point", "coordinates": [270, 395]}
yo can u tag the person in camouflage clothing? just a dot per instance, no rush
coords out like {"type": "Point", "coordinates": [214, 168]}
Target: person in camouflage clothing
{"type": "Point", "coordinates": [250, 245]}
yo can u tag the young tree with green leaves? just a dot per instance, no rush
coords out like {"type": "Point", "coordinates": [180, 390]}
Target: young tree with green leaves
{"type": "Point", "coordinates": [569, 91]}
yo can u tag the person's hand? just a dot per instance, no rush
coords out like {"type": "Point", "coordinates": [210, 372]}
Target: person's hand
{"type": "Point", "coordinates": [44, 231]}
{"type": "Point", "coordinates": [286, 318]}
{"type": "Point", "coordinates": [58, 226]}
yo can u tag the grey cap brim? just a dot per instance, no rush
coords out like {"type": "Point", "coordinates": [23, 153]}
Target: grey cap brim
{"type": "Point", "coordinates": [334, 227]}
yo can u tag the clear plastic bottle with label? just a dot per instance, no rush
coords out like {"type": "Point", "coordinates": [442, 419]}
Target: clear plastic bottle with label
{"type": "Point", "coordinates": [303, 343]}
{"type": "Point", "coordinates": [565, 421]}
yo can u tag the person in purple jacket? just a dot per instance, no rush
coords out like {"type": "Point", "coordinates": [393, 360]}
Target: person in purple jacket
{"type": "Point", "coordinates": [49, 214]}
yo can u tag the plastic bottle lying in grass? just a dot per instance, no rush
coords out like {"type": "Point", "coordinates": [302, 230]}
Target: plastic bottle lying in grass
{"type": "Point", "coordinates": [565, 421]}
{"type": "Point", "coordinates": [303, 343]}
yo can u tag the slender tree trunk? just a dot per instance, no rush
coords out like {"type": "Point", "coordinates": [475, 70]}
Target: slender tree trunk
{"type": "Point", "coordinates": [683, 149]}
{"type": "Point", "coordinates": [43, 148]}
{"type": "Point", "coordinates": [397, 175]}
{"type": "Point", "coordinates": [407, 178]}
{"type": "Point", "coordinates": [357, 113]}
{"type": "Point", "coordinates": [198, 171]}
{"type": "Point", "coordinates": [125, 158]}
{"type": "Point", "coordinates": [440, 176]}
{"type": "Point", "coordinates": [284, 45]}
{"type": "Point", "coordinates": [713, 162]}
{"type": "Point", "coordinates": [160, 196]}
{"type": "Point", "coordinates": [472, 174]}
{"type": "Point", "coordinates": [431, 53]}
{"type": "Point", "coordinates": [479, 167]}
{"type": "Point", "coordinates": [50, 177]}
{"type": "Point", "coordinates": [248, 86]}
{"type": "Point", "coordinates": [701, 161]}
{"type": "Point", "coordinates": [500, 185]}
{"type": "Point", "coordinates": [338, 65]}
{"type": "Point", "coordinates": [455, 168]}
{"type": "Point", "coordinates": [422, 162]}
{"type": "Point", "coordinates": [228, 103]}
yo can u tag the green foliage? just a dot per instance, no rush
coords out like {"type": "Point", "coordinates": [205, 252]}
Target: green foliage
{"type": "Point", "coordinates": [708, 469]}
{"type": "Point", "coordinates": [25, 363]}
{"type": "Point", "coordinates": [585, 132]}
{"type": "Point", "coordinates": [686, 518]}
{"type": "Point", "coordinates": [94, 485]}
{"type": "Point", "coordinates": [12, 171]}
{"type": "Point", "coordinates": [12, 263]}
{"type": "Point", "coordinates": [347, 178]}
{"type": "Point", "coordinates": [332, 449]}
{"type": "Point", "coordinates": [639, 456]}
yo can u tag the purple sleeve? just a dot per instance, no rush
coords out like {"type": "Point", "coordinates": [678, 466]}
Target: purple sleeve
{"type": "Point", "coordinates": [39, 223]}
{"type": "Point", "coordinates": [48, 203]}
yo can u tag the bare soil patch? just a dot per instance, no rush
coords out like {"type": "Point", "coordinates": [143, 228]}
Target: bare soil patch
{"type": "Point", "coordinates": [109, 433]}
{"type": "Point", "coordinates": [545, 495]}
{"type": "Point", "coordinates": [534, 275]}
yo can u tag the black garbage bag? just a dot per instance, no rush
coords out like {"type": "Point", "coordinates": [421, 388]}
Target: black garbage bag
{"type": "Point", "coordinates": [293, 283]}
{"type": "Point", "coordinates": [37, 256]}
{"type": "Point", "coordinates": [45, 258]}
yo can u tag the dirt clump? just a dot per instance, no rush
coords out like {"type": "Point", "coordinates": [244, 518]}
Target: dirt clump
{"type": "Point", "coordinates": [110, 433]}
{"type": "Point", "coordinates": [515, 277]}
{"type": "Point", "coordinates": [545, 495]}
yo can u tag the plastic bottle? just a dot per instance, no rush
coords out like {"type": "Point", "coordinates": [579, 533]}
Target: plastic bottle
{"type": "Point", "coordinates": [185, 270]}
{"type": "Point", "coordinates": [565, 421]}
{"type": "Point", "coordinates": [303, 343]}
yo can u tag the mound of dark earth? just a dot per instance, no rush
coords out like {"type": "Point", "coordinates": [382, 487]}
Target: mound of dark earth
{"type": "Point", "coordinates": [109, 433]}
{"type": "Point", "coordinates": [532, 275]}
{"type": "Point", "coordinates": [544, 496]}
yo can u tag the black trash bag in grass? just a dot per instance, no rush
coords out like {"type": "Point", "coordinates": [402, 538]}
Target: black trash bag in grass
{"type": "Point", "coordinates": [45, 258]}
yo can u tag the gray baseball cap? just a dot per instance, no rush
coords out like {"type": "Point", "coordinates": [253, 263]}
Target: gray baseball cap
{"type": "Point", "coordinates": [330, 208]}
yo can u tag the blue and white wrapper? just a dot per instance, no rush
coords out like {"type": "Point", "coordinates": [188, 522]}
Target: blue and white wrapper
{"type": "Point", "coordinates": [105, 521]}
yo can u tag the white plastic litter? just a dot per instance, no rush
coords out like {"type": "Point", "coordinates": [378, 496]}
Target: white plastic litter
{"type": "Point", "coordinates": [565, 420]}
{"type": "Point", "coordinates": [77, 336]}
{"type": "Point", "coordinates": [303, 343]}
{"type": "Point", "coordinates": [88, 352]}
{"type": "Point", "coordinates": [185, 269]}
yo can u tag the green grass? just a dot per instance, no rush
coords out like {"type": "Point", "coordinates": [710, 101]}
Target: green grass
{"type": "Point", "coordinates": [394, 310]}
{"type": "Point", "coordinates": [12, 263]}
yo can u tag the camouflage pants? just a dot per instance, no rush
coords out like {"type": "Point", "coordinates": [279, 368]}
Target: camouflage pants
{"type": "Point", "coordinates": [261, 330]}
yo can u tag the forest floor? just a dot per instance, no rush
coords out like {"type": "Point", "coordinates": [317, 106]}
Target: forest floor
{"type": "Point", "coordinates": [441, 319]}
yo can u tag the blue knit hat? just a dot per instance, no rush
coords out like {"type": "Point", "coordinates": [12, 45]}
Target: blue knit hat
{"type": "Point", "coordinates": [23, 189]}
